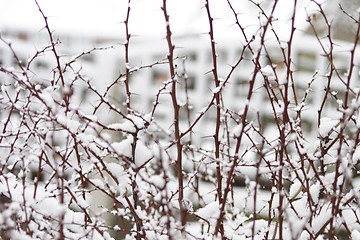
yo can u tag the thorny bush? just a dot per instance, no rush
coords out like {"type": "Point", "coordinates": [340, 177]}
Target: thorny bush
{"type": "Point", "coordinates": [58, 156]}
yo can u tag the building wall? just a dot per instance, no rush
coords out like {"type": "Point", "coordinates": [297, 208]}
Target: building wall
{"type": "Point", "coordinates": [194, 64]}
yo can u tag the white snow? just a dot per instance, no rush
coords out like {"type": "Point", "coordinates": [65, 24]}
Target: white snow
{"type": "Point", "coordinates": [116, 170]}
{"type": "Point", "coordinates": [216, 90]}
{"type": "Point", "coordinates": [210, 211]}
{"type": "Point", "coordinates": [237, 130]}
{"type": "Point", "coordinates": [132, 123]}
{"type": "Point", "coordinates": [142, 153]}
{"type": "Point", "coordinates": [98, 183]}
{"type": "Point", "coordinates": [68, 122]}
{"type": "Point", "coordinates": [283, 79]}
{"type": "Point", "coordinates": [123, 147]}
{"type": "Point", "coordinates": [82, 203]}
{"type": "Point", "coordinates": [356, 155]}
{"type": "Point", "coordinates": [355, 235]}
{"type": "Point", "coordinates": [47, 98]}
{"type": "Point", "coordinates": [157, 180]}
{"type": "Point", "coordinates": [107, 236]}
{"type": "Point", "coordinates": [295, 189]}
{"type": "Point", "coordinates": [268, 72]}
{"type": "Point", "coordinates": [315, 191]}
{"type": "Point", "coordinates": [50, 207]}
{"type": "Point", "coordinates": [326, 125]}
{"type": "Point", "coordinates": [320, 220]}
{"type": "Point", "coordinates": [358, 120]}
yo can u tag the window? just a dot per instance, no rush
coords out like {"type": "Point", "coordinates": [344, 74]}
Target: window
{"type": "Point", "coordinates": [185, 112]}
{"type": "Point", "coordinates": [275, 58]}
{"type": "Point", "coordinates": [20, 60]}
{"type": "Point", "coordinates": [306, 61]}
{"type": "Point", "coordinates": [88, 58]}
{"type": "Point", "coordinates": [192, 56]}
{"type": "Point", "coordinates": [41, 65]}
{"type": "Point", "coordinates": [307, 125]}
{"type": "Point", "coordinates": [221, 54]}
{"type": "Point", "coordinates": [23, 36]}
{"type": "Point", "coordinates": [210, 82]}
{"type": "Point", "coordinates": [158, 77]}
{"type": "Point", "coordinates": [189, 81]}
{"type": "Point", "coordinates": [210, 115]}
{"type": "Point", "coordinates": [35, 174]}
{"type": "Point", "coordinates": [268, 121]}
{"type": "Point", "coordinates": [241, 87]}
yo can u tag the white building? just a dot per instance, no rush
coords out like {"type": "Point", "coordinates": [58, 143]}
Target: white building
{"type": "Point", "coordinates": [193, 59]}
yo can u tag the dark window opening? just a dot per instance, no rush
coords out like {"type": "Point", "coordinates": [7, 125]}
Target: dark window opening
{"type": "Point", "coordinates": [306, 61]}
{"type": "Point", "coordinates": [159, 77]}
{"type": "Point", "coordinates": [191, 56]}
{"type": "Point", "coordinates": [18, 61]}
{"type": "Point", "coordinates": [88, 58]}
{"type": "Point", "coordinates": [34, 174]}
{"type": "Point", "coordinates": [41, 65]}
{"type": "Point", "coordinates": [188, 82]}
{"type": "Point", "coordinates": [241, 87]}
{"type": "Point", "coordinates": [23, 36]}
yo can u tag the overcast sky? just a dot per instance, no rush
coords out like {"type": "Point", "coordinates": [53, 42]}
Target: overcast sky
{"type": "Point", "coordinates": [106, 16]}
